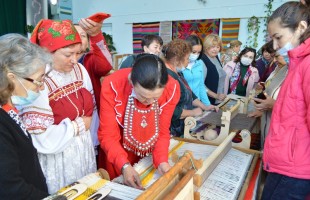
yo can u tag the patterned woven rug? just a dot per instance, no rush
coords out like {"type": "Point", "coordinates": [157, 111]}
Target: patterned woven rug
{"type": "Point", "coordinates": [202, 28]}
{"type": "Point", "coordinates": [141, 29]}
{"type": "Point", "coordinates": [230, 30]}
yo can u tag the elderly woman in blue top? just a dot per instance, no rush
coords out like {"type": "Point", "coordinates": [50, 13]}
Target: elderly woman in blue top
{"type": "Point", "coordinates": [195, 72]}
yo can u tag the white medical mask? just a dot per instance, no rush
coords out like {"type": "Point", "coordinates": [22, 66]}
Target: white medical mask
{"type": "Point", "coordinates": [19, 101]}
{"type": "Point", "coordinates": [284, 51]}
{"type": "Point", "coordinates": [246, 61]}
{"type": "Point", "coordinates": [193, 57]}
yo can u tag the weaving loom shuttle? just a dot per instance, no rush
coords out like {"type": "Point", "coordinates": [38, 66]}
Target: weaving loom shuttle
{"type": "Point", "coordinates": [74, 191]}
{"type": "Point", "coordinates": [100, 194]}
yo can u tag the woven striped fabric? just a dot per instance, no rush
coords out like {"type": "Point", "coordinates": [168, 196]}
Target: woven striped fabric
{"type": "Point", "coordinates": [230, 30]}
{"type": "Point", "coordinates": [141, 29]}
{"type": "Point", "coordinates": [202, 28]}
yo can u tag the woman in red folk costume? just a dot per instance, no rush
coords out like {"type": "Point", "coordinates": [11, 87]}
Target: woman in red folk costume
{"type": "Point", "coordinates": [135, 113]}
{"type": "Point", "coordinates": [62, 119]}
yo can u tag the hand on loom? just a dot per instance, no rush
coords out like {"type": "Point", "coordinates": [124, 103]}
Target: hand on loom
{"type": "Point", "coordinates": [212, 108]}
{"type": "Point", "coordinates": [196, 112]}
{"type": "Point", "coordinates": [255, 113]}
{"type": "Point", "coordinates": [163, 167]}
{"type": "Point", "coordinates": [221, 97]}
{"type": "Point", "coordinates": [131, 178]}
{"type": "Point", "coordinates": [264, 104]}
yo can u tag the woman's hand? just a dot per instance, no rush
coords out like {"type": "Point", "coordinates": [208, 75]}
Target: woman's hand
{"type": "Point", "coordinates": [264, 104]}
{"type": "Point", "coordinates": [87, 122]}
{"type": "Point", "coordinates": [256, 113]}
{"type": "Point", "coordinates": [131, 177]}
{"type": "Point", "coordinates": [163, 167]}
{"type": "Point", "coordinates": [212, 108]}
{"type": "Point", "coordinates": [196, 112]}
{"type": "Point", "coordinates": [91, 28]}
{"type": "Point", "coordinates": [221, 97]}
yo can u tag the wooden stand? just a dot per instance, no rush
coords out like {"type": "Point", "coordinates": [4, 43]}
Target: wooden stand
{"type": "Point", "coordinates": [173, 179]}
{"type": "Point", "coordinates": [227, 116]}
{"type": "Point", "coordinates": [174, 186]}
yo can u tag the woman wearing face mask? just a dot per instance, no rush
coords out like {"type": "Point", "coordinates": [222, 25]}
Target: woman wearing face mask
{"type": "Point", "coordinates": [241, 73]}
{"type": "Point", "coordinates": [62, 120]}
{"type": "Point", "coordinates": [286, 151]}
{"type": "Point", "coordinates": [215, 78]}
{"type": "Point", "coordinates": [176, 54]}
{"type": "Point", "coordinates": [22, 71]}
{"type": "Point", "coordinates": [195, 72]}
{"type": "Point", "coordinates": [136, 108]}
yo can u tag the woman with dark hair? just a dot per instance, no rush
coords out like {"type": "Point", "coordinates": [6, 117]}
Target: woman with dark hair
{"type": "Point", "coordinates": [135, 112]}
{"type": "Point", "coordinates": [195, 72]}
{"type": "Point", "coordinates": [241, 74]}
{"type": "Point", "coordinates": [177, 54]}
{"type": "Point", "coordinates": [150, 44]}
{"type": "Point", "coordinates": [22, 72]}
{"type": "Point", "coordinates": [265, 64]}
{"type": "Point", "coordinates": [286, 152]}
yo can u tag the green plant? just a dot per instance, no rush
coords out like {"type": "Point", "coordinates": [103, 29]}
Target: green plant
{"type": "Point", "coordinates": [253, 30]}
{"type": "Point", "coordinates": [268, 13]}
{"type": "Point", "coordinates": [109, 41]}
{"type": "Point", "coordinates": [29, 28]}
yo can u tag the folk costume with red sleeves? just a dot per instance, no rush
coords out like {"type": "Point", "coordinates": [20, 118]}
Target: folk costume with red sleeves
{"type": "Point", "coordinates": [65, 147]}
{"type": "Point", "coordinates": [129, 130]}
{"type": "Point", "coordinates": [98, 63]}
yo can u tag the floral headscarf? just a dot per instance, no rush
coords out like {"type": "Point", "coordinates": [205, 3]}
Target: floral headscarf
{"type": "Point", "coordinates": [55, 34]}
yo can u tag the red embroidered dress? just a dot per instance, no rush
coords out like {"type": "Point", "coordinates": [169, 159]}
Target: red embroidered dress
{"type": "Point", "coordinates": [146, 134]}
{"type": "Point", "coordinates": [64, 156]}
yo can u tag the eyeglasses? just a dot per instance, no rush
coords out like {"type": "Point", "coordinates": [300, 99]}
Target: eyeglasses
{"type": "Point", "coordinates": [37, 83]}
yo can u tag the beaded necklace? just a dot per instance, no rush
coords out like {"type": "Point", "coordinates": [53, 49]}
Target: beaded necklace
{"type": "Point", "coordinates": [141, 128]}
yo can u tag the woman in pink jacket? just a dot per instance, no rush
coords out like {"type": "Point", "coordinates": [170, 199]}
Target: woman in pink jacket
{"type": "Point", "coordinates": [287, 147]}
{"type": "Point", "coordinates": [241, 74]}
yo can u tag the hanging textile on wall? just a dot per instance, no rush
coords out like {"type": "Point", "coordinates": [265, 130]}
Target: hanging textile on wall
{"type": "Point", "coordinates": [230, 30]}
{"type": "Point", "coordinates": [141, 29]}
{"type": "Point", "coordinates": [202, 28]}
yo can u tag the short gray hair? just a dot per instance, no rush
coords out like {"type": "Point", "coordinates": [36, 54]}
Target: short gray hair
{"type": "Point", "coordinates": [19, 56]}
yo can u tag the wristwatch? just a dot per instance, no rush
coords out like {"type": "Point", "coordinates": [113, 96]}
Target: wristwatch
{"type": "Point", "coordinates": [125, 166]}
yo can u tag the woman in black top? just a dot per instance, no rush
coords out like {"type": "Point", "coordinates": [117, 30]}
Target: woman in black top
{"type": "Point", "coordinates": [22, 70]}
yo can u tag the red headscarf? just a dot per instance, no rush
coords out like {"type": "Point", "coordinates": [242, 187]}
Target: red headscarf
{"type": "Point", "coordinates": [55, 34]}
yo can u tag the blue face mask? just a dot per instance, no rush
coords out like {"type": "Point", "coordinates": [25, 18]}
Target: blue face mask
{"type": "Point", "coordinates": [19, 101]}
{"type": "Point", "coordinates": [284, 51]}
{"type": "Point", "coordinates": [193, 57]}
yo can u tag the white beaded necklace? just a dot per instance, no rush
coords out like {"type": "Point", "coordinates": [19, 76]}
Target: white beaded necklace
{"type": "Point", "coordinates": [130, 142]}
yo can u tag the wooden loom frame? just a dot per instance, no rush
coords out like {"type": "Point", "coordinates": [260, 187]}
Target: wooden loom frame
{"type": "Point", "coordinates": [227, 116]}
{"type": "Point", "coordinates": [171, 186]}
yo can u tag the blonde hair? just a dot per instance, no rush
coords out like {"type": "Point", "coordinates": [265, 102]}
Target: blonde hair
{"type": "Point", "coordinates": [212, 40]}
{"type": "Point", "coordinates": [234, 43]}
